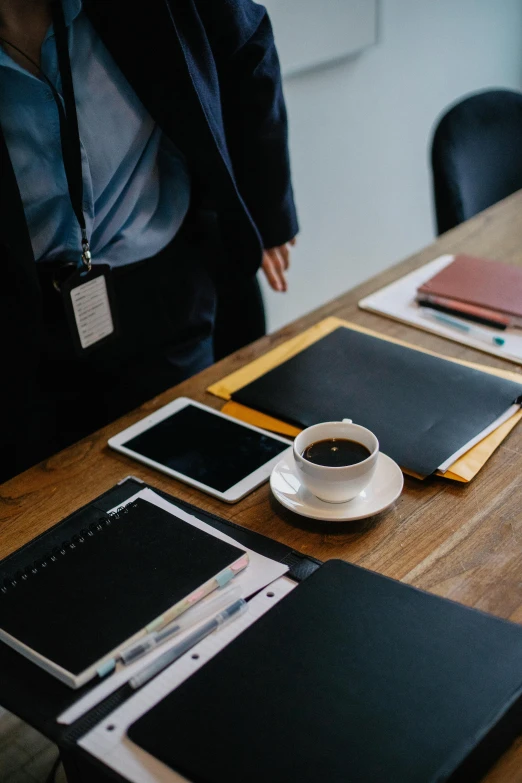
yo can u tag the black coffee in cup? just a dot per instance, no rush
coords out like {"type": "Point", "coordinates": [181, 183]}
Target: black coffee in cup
{"type": "Point", "coordinates": [336, 452]}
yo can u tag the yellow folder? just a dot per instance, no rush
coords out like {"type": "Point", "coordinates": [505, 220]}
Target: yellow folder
{"type": "Point", "coordinates": [463, 469]}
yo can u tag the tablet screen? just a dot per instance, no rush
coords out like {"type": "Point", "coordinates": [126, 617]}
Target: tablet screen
{"type": "Point", "coordinates": [205, 447]}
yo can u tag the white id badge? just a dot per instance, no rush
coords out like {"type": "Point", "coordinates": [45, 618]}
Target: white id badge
{"type": "Point", "coordinates": [89, 307]}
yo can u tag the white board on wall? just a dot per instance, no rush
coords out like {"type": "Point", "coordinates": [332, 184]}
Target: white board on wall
{"type": "Point", "coordinates": [309, 33]}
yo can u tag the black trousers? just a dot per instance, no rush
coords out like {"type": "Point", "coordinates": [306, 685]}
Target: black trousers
{"type": "Point", "coordinates": [166, 310]}
{"type": "Point", "coordinates": [240, 316]}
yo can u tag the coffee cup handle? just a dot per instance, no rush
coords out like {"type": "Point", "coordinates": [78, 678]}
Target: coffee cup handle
{"type": "Point", "coordinates": [347, 421]}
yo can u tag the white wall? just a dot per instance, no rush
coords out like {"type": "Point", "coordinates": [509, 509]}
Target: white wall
{"type": "Point", "coordinates": [328, 30]}
{"type": "Point", "coordinates": [359, 138]}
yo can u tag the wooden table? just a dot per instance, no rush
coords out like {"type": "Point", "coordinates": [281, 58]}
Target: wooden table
{"type": "Point", "coordinates": [459, 541]}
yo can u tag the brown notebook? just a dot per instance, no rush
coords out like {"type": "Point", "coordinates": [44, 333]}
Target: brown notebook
{"type": "Point", "coordinates": [476, 286]}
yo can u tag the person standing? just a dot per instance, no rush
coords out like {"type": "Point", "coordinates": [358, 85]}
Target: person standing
{"type": "Point", "coordinates": [144, 177]}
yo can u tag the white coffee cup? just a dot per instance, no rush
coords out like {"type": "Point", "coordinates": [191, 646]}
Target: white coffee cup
{"type": "Point", "coordinates": [336, 484]}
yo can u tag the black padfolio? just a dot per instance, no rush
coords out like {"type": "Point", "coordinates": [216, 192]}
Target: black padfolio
{"type": "Point", "coordinates": [37, 696]}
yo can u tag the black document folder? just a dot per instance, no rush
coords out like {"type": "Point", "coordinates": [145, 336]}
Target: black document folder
{"type": "Point", "coordinates": [351, 677]}
{"type": "Point", "coordinates": [422, 408]}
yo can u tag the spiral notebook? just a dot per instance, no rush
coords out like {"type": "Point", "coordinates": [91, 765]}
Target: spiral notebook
{"type": "Point", "coordinates": [76, 595]}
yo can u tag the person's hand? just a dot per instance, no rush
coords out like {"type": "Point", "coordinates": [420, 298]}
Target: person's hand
{"type": "Point", "coordinates": [276, 261]}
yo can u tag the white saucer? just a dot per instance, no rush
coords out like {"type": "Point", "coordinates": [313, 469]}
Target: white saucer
{"type": "Point", "coordinates": [385, 487]}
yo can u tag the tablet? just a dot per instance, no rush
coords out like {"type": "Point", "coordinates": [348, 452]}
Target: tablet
{"type": "Point", "coordinates": [203, 448]}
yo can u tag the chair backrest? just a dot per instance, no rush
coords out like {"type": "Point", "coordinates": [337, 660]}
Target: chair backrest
{"type": "Point", "coordinates": [476, 155]}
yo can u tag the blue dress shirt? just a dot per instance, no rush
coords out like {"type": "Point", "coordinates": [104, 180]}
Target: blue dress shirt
{"type": "Point", "coordinates": [136, 184]}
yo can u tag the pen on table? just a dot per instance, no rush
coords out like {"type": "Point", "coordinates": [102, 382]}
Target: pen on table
{"type": "Point", "coordinates": [476, 313]}
{"type": "Point", "coordinates": [454, 323]}
{"type": "Point", "coordinates": [190, 617]}
{"type": "Point", "coordinates": [169, 656]}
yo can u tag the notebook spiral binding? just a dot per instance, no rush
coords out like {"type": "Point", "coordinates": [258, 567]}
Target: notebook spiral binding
{"type": "Point", "coordinates": [63, 549]}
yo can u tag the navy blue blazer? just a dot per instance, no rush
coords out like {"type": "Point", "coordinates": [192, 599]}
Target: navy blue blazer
{"type": "Point", "coordinates": [208, 73]}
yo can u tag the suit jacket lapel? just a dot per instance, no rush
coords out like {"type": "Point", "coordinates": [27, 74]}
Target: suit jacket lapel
{"type": "Point", "coordinates": [164, 53]}
{"type": "Point", "coordinates": [20, 299]}
{"type": "Point", "coordinates": [154, 55]}
{"type": "Point", "coordinates": [14, 233]}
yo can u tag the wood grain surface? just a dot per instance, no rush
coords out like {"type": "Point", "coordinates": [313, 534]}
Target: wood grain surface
{"type": "Point", "coordinates": [459, 541]}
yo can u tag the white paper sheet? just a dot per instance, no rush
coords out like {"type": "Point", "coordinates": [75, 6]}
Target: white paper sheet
{"type": "Point", "coordinates": [473, 442]}
{"type": "Point", "coordinates": [260, 572]}
{"type": "Point", "coordinates": [108, 741]}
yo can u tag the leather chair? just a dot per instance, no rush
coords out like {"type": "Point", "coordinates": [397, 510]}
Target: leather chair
{"type": "Point", "coordinates": [476, 155]}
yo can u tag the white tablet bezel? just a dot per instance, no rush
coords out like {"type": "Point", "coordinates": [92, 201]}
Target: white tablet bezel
{"type": "Point", "coordinates": [234, 493]}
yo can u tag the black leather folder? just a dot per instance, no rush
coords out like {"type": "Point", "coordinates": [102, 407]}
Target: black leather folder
{"type": "Point", "coordinates": [350, 677]}
{"type": "Point", "coordinates": [422, 408]}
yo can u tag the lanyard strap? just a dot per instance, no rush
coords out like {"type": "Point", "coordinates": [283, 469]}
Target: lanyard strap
{"type": "Point", "coordinates": [69, 132]}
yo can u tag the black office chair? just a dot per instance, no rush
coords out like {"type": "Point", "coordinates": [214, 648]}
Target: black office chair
{"type": "Point", "coordinates": [476, 155]}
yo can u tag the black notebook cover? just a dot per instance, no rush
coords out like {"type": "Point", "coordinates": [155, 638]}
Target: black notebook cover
{"type": "Point", "coordinates": [422, 408]}
{"type": "Point", "coordinates": [351, 677]}
{"type": "Point", "coordinates": [73, 601]}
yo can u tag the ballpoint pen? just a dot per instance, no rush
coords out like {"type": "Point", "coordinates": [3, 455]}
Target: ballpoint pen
{"type": "Point", "coordinates": [169, 656]}
{"type": "Point", "coordinates": [461, 326]}
{"type": "Point", "coordinates": [191, 617]}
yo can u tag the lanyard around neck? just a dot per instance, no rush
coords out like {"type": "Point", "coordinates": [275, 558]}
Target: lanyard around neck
{"type": "Point", "coordinates": [69, 131]}
{"type": "Point", "coordinates": [68, 118]}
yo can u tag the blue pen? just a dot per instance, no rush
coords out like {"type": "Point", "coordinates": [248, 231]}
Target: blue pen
{"type": "Point", "coordinates": [196, 614]}
{"type": "Point", "coordinates": [168, 657]}
{"type": "Point", "coordinates": [454, 323]}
